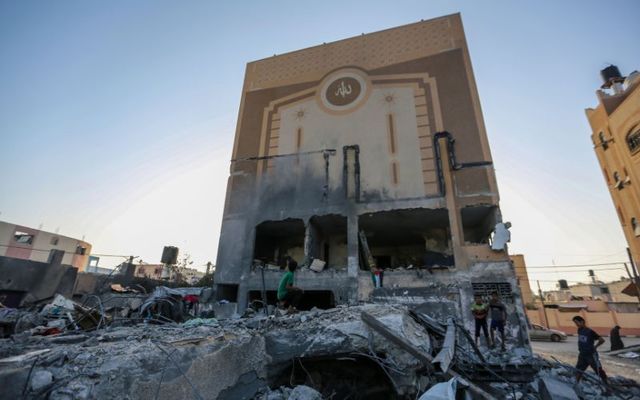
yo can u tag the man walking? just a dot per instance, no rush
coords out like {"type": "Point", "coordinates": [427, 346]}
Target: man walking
{"type": "Point", "coordinates": [498, 318]}
{"type": "Point", "coordinates": [588, 354]}
{"type": "Point", "coordinates": [479, 309]}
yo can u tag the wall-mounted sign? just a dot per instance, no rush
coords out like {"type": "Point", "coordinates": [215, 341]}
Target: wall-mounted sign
{"type": "Point", "coordinates": [344, 90]}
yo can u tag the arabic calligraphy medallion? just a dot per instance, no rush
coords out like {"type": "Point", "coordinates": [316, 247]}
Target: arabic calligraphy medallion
{"type": "Point", "coordinates": [343, 91]}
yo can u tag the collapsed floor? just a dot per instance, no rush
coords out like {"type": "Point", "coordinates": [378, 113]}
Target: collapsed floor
{"type": "Point", "coordinates": [362, 352]}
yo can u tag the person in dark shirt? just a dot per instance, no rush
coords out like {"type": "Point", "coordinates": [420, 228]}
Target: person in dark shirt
{"type": "Point", "coordinates": [614, 338]}
{"type": "Point", "coordinates": [587, 350]}
{"type": "Point", "coordinates": [498, 313]}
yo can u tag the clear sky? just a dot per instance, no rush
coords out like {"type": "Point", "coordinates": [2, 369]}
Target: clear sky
{"type": "Point", "coordinates": [117, 118]}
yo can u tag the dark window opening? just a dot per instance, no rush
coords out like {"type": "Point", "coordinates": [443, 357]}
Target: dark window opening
{"type": "Point", "coordinates": [12, 298]}
{"type": "Point", "coordinates": [81, 250]}
{"type": "Point", "coordinates": [23, 237]}
{"type": "Point", "coordinates": [322, 299]}
{"type": "Point", "coordinates": [633, 141]}
{"type": "Point", "coordinates": [413, 238]}
{"type": "Point", "coordinates": [328, 240]}
{"type": "Point", "coordinates": [275, 240]}
{"type": "Point", "coordinates": [227, 292]}
{"type": "Point", "coordinates": [54, 241]}
{"type": "Point", "coordinates": [478, 223]}
{"type": "Point", "coordinates": [635, 226]}
{"type": "Point", "coordinates": [339, 376]}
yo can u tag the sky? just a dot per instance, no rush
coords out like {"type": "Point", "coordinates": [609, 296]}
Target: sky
{"type": "Point", "coordinates": [117, 118]}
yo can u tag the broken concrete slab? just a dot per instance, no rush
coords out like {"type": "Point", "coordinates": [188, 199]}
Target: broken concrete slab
{"type": "Point", "coordinates": [554, 389]}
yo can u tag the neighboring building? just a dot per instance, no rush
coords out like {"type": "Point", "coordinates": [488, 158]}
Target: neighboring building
{"type": "Point", "coordinates": [151, 271]}
{"type": "Point", "coordinates": [611, 292]}
{"type": "Point", "coordinates": [615, 123]}
{"type": "Point", "coordinates": [17, 241]}
{"type": "Point", "coordinates": [92, 267]}
{"type": "Point", "coordinates": [344, 153]}
{"type": "Point", "coordinates": [520, 268]}
{"type": "Point", "coordinates": [191, 275]}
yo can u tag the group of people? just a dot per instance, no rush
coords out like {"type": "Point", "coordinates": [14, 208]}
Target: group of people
{"type": "Point", "coordinates": [497, 311]}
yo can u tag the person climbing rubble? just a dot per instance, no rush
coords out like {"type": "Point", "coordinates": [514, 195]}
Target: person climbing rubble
{"type": "Point", "coordinates": [587, 351]}
{"type": "Point", "coordinates": [480, 310]}
{"type": "Point", "coordinates": [288, 295]}
{"type": "Point", "coordinates": [498, 318]}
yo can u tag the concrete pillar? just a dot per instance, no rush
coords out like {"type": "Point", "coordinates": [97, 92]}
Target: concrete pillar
{"type": "Point", "coordinates": [352, 246]}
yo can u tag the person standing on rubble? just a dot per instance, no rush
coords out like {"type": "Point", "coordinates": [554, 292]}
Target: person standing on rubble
{"type": "Point", "coordinates": [480, 310]}
{"type": "Point", "coordinates": [498, 318]}
{"type": "Point", "coordinates": [289, 295]}
{"type": "Point", "coordinates": [587, 351]}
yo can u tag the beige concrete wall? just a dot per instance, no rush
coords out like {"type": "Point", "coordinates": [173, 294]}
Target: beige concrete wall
{"type": "Point", "coordinates": [42, 245]}
{"type": "Point", "coordinates": [520, 268]}
{"type": "Point", "coordinates": [601, 322]}
{"type": "Point", "coordinates": [367, 126]}
{"type": "Point", "coordinates": [6, 234]}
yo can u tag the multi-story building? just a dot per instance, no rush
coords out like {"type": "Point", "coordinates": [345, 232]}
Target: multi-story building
{"type": "Point", "coordinates": [369, 151]}
{"type": "Point", "coordinates": [615, 123]}
{"type": "Point", "coordinates": [520, 267]}
{"type": "Point", "coordinates": [26, 243]}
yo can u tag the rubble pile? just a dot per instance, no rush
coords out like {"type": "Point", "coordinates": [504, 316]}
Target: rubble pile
{"type": "Point", "coordinates": [371, 351]}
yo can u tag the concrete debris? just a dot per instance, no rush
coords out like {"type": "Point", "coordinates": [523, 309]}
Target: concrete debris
{"type": "Point", "coordinates": [303, 392]}
{"type": "Point", "coordinates": [629, 354]}
{"type": "Point", "coordinates": [449, 390]}
{"type": "Point", "coordinates": [371, 351]}
{"type": "Point", "coordinates": [554, 389]}
{"type": "Point", "coordinates": [40, 380]}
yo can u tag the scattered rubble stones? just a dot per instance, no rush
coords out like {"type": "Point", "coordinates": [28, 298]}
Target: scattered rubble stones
{"type": "Point", "coordinates": [233, 358]}
{"type": "Point", "coordinates": [40, 380]}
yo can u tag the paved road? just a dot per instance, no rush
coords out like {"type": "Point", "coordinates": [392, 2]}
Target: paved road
{"type": "Point", "coordinates": [567, 351]}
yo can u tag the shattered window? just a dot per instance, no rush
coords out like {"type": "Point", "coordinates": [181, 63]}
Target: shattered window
{"type": "Point", "coordinates": [23, 237]}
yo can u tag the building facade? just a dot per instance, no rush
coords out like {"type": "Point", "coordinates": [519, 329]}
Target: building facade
{"type": "Point", "coordinates": [520, 267]}
{"type": "Point", "coordinates": [17, 241]}
{"type": "Point", "coordinates": [615, 125]}
{"type": "Point", "coordinates": [369, 151]}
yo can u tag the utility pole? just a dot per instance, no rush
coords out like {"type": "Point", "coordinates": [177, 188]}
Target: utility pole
{"type": "Point", "coordinates": [208, 267]}
{"type": "Point", "coordinates": [544, 309]}
{"type": "Point", "coordinates": [635, 281]}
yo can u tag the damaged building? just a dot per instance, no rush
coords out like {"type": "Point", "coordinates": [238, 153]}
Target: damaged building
{"type": "Point", "coordinates": [367, 151]}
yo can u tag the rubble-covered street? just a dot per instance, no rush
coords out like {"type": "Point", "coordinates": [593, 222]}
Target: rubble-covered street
{"type": "Point", "coordinates": [370, 351]}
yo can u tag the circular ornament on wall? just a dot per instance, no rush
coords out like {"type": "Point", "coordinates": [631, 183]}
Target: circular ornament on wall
{"type": "Point", "coordinates": [344, 91]}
